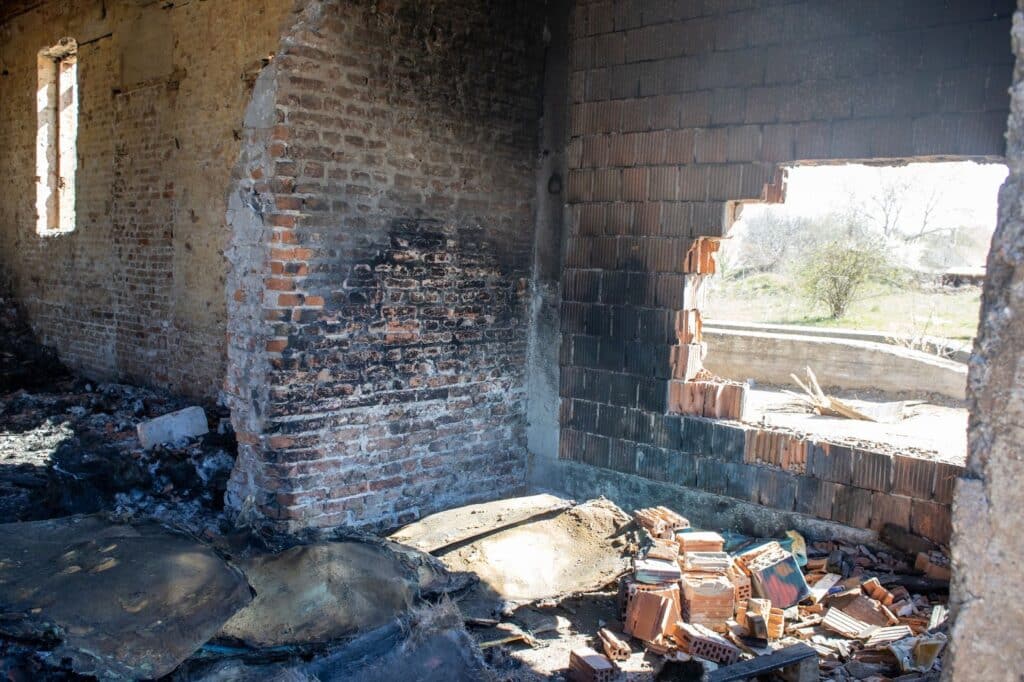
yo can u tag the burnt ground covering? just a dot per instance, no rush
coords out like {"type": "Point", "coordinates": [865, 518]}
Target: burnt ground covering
{"type": "Point", "coordinates": [532, 578]}
{"type": "Point", "coordinates": [68, 445]}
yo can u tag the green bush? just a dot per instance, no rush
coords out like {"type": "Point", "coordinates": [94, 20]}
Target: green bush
{"type": "Point", "coordinates": [834, 273]}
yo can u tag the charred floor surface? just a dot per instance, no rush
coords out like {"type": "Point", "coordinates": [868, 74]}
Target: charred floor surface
{"type": "Point", "coordinates": [119, 562]}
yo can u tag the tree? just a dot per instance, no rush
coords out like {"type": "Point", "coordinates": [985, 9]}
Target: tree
{"type": "Point", "coordinates": [834, 273]}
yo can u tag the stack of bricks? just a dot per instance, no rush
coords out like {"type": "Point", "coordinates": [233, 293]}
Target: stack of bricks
{"type": "Point", "coordinates": [700, 541]}
{"type": "Point", "coordinates": [661, 522]}
{"type": "Point", "coordinates": [709, 599]}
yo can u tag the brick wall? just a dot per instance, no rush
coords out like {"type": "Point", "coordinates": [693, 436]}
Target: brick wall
{"type": "Point", "coordinates": [680, 107]}
{"type": "Point", "coordinates": [382, 233]}
{"type": "Point", "coordinates": [136, 292]}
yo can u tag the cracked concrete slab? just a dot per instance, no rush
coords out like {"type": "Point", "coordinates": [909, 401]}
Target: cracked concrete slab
{"type": "Point", "coordinates": [116, 601]}
{"type": "Point", "coordinates": [451, 527]}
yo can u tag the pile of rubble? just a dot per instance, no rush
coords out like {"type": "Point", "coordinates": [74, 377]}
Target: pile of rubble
{"type": "Point", "coordinates": [73, 446]}
{"type": "Point", "coordinates": [765, 605]}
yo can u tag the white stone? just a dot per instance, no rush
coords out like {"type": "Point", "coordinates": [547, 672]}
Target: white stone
{"type": "Point", "coordinates": [187, 423]}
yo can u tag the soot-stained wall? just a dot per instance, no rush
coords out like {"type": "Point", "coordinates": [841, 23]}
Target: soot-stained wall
{"type": "Point", "coordinates": [136, 291]}
{"type": "Point", "coordinates": [382, 228]}
{"type": "Point", "coordinates": [679, 107]}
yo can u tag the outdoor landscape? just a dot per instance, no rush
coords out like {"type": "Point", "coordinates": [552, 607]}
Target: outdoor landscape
{"type": "Point", "coordinates": [864, 248]}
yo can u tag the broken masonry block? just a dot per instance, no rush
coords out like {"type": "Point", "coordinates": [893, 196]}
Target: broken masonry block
{"type": "Point", "coordinates": [695, 291]}
{"type": "Point", "coordinates": [661, 522]}
{"type": "Point", "coordinates": [718, 399]}
{"type": "Point", "coordinates": [774, 575]}
{"type": "Point", "coordinates": [699, 641]}
{"type": "Point", "coordinates": [717, 563]}
{"type": "Point", "coordinates": [689, 327]}
{"type": "Point", "coordinates": [586, 665]}
{"type": "Point", "coordinates": [615, 648]}
{"type": "Point", "coordinates": [776, 623]}
{"type": "Point", "coordinates": [918, 654]}
{"type": "Point", "coordinates": [752, 614]}
{"type": "Point", "coordinates": [700, 541]}
{"type": "Point", "coordinates": [707, 600]}
{"type": "Point", "coordinates": [629, 588]}
{"type": "Point", "coordinates": [650, 615]}
{"type": "Point", "coordinates": [868, 610]}
{"type": "Point", "coordinates": [874, 589]}
{"type": "Point", "coordinates": [740, 581]}
{"type": "Point", "coordinates": [700, 257]}
{"type": "Point", "coordinates": [845, 625]}
{"type": "Point", "coordinates": [821, 588]}
{"type": "Point", "coordinates": [663, 550]}
{"type": "Point", "coordinates": [656, 571]}
{"type": "Point", "coordinates": [933, 564]}
{"type": "Point", "coordinates": [172, 427]}
{"type": "Point", "coordinates": [883, 636]}
{"type": "Point", "coordinates": [688, 360]}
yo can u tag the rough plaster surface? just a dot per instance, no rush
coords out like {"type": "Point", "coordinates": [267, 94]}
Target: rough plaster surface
{"type": "Point", "coordinates": [549, 242]}
{"type": "Point", "coordinates": [136, 292]}
{"type": "Point", "coordinates": [988, 532]}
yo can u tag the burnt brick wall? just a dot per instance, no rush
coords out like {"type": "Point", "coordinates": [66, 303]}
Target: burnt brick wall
{"type": "Point", "coordinates": [381, 242]}
{"type": "Point", "coordinates": [136, 292]}
{"type": "Point", "coordinates": [679, 107]}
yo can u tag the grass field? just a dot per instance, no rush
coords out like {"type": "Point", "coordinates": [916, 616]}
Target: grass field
{"type": "Point", "coordinates": [910, 311]}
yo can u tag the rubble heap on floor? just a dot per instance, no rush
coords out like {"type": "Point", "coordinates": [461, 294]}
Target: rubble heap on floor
{"type": "Point", "coordinates": [740, 606]}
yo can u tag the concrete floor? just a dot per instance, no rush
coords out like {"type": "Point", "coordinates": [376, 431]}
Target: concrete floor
{"type": "Point", "coordinates": [930, 430]}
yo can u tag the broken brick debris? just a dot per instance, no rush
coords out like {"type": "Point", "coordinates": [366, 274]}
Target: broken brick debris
{"type": "Point", "coordinates": [615, 648]}
{"type": "Point", "coordinates": [846, 625]}
{"type": "Point", "coordinates": [874, 589]}
{"type": "Point", "coordinates": [870, 611]}
{"type": "Point", "coordinates": [707, 397]}
{"type": "Point", "coordinates": [708, 600]}
{"type": "Point", "coordinates": [702, 642]}
{"type": "Point", "coordinates": [687, 599]}
{"type": "Point", "coordinates": [689, 326]}
{"type": "Point", "coordinates": [657, 571]}
{"type": "Point", "coordinates": [774, 575]}
{"type": "Point", "coordinates": [650, 615]}
{"type": "Point", "coordinates": [883, 636]}
{"type": "Point", "coordinates": [700, 257]}
{"type": "Point", "coordinates": [760, 619]}
{"type": "Point", "coordinates": [700, 541]}
{"type": "Point", "coordinates": [587, 665]}
{"type": "Point", "coordinates": [934, 565]}
{"type": "Point", "coordinates": [661, 522]}
{"type": "Point", "coordinates": [706, 562]}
